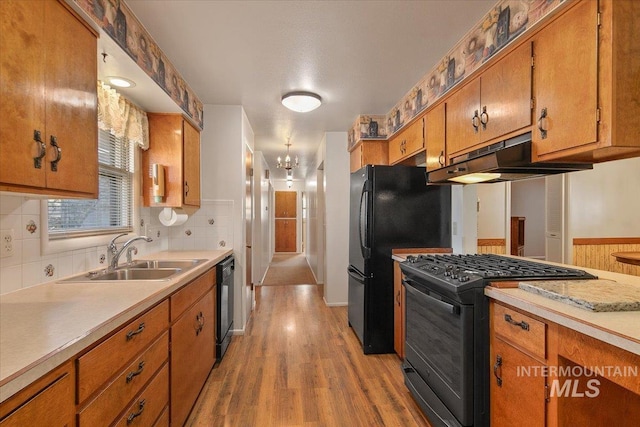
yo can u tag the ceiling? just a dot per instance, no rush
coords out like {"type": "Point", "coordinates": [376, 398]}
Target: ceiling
{"type": "Point", "coordinates": [361, 57]}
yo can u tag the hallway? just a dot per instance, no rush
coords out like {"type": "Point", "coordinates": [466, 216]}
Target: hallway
{"type": "Point", "coordinates": [299, 364]}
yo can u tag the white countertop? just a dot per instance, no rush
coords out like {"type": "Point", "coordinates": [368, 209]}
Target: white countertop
{"type": "Point", "coordinates": [45, 325]}
{"type": "Point", "coordinates": [620, 329]}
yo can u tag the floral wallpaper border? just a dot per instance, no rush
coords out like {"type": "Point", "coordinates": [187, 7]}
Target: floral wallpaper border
{"type": "Point", "coordinates": [504, 22]}
{"type": "Point", "coordinates": [119, 22]}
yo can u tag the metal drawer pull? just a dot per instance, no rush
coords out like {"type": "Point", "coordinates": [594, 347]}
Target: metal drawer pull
{"type": "Point", "coordinates": [524, 325]}
{"type": "Point", "coordinates": [134, 415]}
{"type": "Point", "coordinates": [496, 366]}
{"type": "Point", "coordinates": [200, 323]}
{"type": "Point", "coordinates": [441, 158]}
{"type": "Point", "coordinates": [132, 334]}
{"type": "Point", "coordinates": [133, 374]}
{"type": "Point", "coordinates": [42, 149]}
{"type": "Point", "coordinates": [54, 162]}
{"type": "Point", "coordinates": [484, 118]}
{"type": "Point", "coordinates": [475, 121]}
{"type": "Point", "coordinates": [542, 123]}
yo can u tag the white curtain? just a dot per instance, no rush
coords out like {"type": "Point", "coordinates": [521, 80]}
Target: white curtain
{"type": "Point", "coordinates": [118, 115]}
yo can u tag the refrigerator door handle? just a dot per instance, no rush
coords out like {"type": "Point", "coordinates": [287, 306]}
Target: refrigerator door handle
{"type": "Point", "coordinates": [364, 231]}
{"type": "Point", "coordinates": [356, 275]}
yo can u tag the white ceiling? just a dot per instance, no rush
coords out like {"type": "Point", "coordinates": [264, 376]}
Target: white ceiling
{"type": "Point", "coordinates": [361, 57]}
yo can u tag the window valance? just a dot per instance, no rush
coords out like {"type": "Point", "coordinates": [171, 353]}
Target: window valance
{"type": "Point", "coordinates": [121, 117]}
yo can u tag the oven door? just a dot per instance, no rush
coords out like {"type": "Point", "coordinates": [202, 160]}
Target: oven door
{"type": "Point", "coordinates": [439, 347]}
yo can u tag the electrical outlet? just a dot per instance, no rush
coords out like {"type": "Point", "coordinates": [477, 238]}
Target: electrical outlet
{"type": "Point", "coordinates": [6, 243]}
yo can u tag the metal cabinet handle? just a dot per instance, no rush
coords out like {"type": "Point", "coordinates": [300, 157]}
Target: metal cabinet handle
{"type": "Point", "coordinates": [524, 325]}
{"type": "Point", "coordinates": [134, 374]}
{"type": "Point", "coordinates": [542, 123]}
{"type": "Point", "coordinates": [441, 158]}
{"type": "Point", "coordinates": [132, 334]}
{"type": "Point", "coordinates": [54, 143]}
{"type": "Point", "coordinates": [475, 121]}
{"type": "Point", "coordinates": [134, 415]}
{"type": "Point", "coordinates": [200, 323]}
{"type": "Point", "coordinates": [42, 149]}
{"type": "Point", "coordinates": [496, 366]}
{"type": "Point", "coordinates": [186, 188]}
{"type": "Point", "coordinates": [484, 117]}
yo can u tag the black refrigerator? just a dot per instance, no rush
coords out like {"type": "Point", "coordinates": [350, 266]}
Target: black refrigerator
{"type": "Point", "coordinates": [390, 207]}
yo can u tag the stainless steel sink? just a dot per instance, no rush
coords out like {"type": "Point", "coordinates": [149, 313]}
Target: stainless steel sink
{"type": "Point", "coordinates": [138, 270]}
{"type": "Point", "coordinates": [184, 264]}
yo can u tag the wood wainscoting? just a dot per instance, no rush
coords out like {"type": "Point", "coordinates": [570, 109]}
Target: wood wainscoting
{"type": "Point", "coordinates": [596, 253]}
{"type": "Point", "coordinates": [492, 246]}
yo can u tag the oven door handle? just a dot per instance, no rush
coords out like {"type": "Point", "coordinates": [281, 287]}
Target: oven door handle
{"type": "Point", "coordinates": [445, 305]}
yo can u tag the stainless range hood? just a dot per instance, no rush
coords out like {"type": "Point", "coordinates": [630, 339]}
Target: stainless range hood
{"type": "Point", "coordinates": [508, 160]}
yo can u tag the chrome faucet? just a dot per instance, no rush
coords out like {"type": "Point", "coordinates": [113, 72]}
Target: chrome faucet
{"type": "Point", "coordinates": [114, 252]}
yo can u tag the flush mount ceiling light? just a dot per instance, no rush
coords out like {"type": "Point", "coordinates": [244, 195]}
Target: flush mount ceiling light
{"type": "Point", "coordinates": [302, 102]}
{"type": "Point", "coordinates": [120, 82]}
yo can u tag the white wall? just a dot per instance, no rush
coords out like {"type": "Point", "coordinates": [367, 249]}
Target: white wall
{"type": "Point", "coordinates": [604, 202]}
{"type": "Point", "coordinates": [492, 213]}
{"type": "Point", "coordinates": [311, 249]}
{"type": "Point", "coordinates": [262, 225]}
{"type": "Point", "coordinates": [337, 181]}
{"type": "Point", "coordinates": [528, 201]}
{"type": "Point", "coordinates": [224, 142]}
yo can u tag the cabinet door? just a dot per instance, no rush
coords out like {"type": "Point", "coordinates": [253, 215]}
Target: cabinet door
{"type": "Point", "coordinates": [286, 204]}
{"type": "Point", "coordinates": [192, 356]}
{"type": "Point", "coordinates": [462, 107]}
{"type": "Point", "coordinates": [506, 94]}
{"type": "Point", "coordinates": [398, 311]}
{"type": "Point", "coordinates": [517, 397]}
{"type": "Point", "coordinates": [191, 142]}
{"type": "Point", "coordinates": [71, 102]}
{"type": "Point", "coordinates": [566, 81]}
{"type": "Point", "coordinates": [165, 148]}
{"type": "Point", "coordinates": [285, 235]}
{"type": "Point", "coordinates": [21, 91]}
{"type": "Point", "coordinates": [356, 160]}
{"type": "Point", "coordinates": [407, 143]}
{"type": "Point", "coordinates": [434, 135]}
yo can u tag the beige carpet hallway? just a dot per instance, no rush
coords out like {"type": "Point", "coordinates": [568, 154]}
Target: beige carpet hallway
{"type": "Point", "coordinates": [289, 269]}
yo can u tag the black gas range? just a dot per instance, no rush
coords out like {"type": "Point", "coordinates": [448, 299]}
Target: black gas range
{"type": "Point", "coordinates": [447, 329]}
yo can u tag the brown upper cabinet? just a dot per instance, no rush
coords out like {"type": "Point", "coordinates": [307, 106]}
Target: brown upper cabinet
{"type": "Point", "coordinates": [586, 83]}
{"type": "Point", "coordinates": [48, 71]}
{"type": "Point", "coordinates": [492, 105]}
{"type": "Point", "coordinates": [286, 204]}
{"type": "Point", "coordinates": [369, 152]}
{"type": "Point", "coordinates": [435, 137]}
{"type": "Point", "coordinates": [175, 144]}
{"type": "Point", "coordinates": [407, 143]}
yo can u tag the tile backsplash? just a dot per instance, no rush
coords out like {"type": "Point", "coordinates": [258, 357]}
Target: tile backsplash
{"type": "Point", "coordinates": [208, 229]}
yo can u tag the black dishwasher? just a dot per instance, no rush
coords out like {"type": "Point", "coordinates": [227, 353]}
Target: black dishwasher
{"type": "Point", "coordinates": [224, 305]}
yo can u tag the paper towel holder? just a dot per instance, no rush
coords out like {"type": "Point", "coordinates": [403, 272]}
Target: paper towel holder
{"type": "Point", "coordinates": [157, 171]}
{"type": "Point", "coordinates": [172, 217]}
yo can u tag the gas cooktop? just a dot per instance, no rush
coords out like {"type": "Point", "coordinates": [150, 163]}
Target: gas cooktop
{"type": "Point", "coordinates": [461, 272]}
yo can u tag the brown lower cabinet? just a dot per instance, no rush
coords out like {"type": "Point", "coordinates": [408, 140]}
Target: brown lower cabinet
{"type": "Point", "coordinates": [543, 374]}
{"type": "Point", "coordinates": [149, 372]}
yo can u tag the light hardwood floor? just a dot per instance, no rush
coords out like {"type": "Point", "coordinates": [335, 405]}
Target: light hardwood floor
{"type": "Point", "coordinates": [299, 364]}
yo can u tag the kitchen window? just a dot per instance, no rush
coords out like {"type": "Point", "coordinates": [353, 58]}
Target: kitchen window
{"type": "Point", "coordinates": [112, 211]}
{"type": "Point", "coordinates": [73, 224]}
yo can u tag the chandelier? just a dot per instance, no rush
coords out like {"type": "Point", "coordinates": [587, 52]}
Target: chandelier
{"type": "Point", "coordinates": [287, 164]}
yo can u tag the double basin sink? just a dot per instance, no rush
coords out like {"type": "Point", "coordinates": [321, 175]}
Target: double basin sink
{"type": "Point", "coordinates": [138, 270]}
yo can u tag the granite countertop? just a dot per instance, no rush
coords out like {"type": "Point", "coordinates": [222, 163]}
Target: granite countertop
{"type": "Point", "coordinates": [618, 328]}
{"type": "Point", "coordinates": [43, 326]}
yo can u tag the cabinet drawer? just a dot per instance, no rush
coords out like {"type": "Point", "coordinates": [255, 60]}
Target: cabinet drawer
{"type": "Point", "coordinates": [190, 293]}
{"type": "Point", "coordinates": [147, 406]}
{"type": "Point", "coordinates": [99, 364]}
{"type": "Point", "coordinates": [520, 330]}
{"type": "Point", "coordinates": [163, 419]}
{"type": "Point", "coordinates": [113, 399]}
